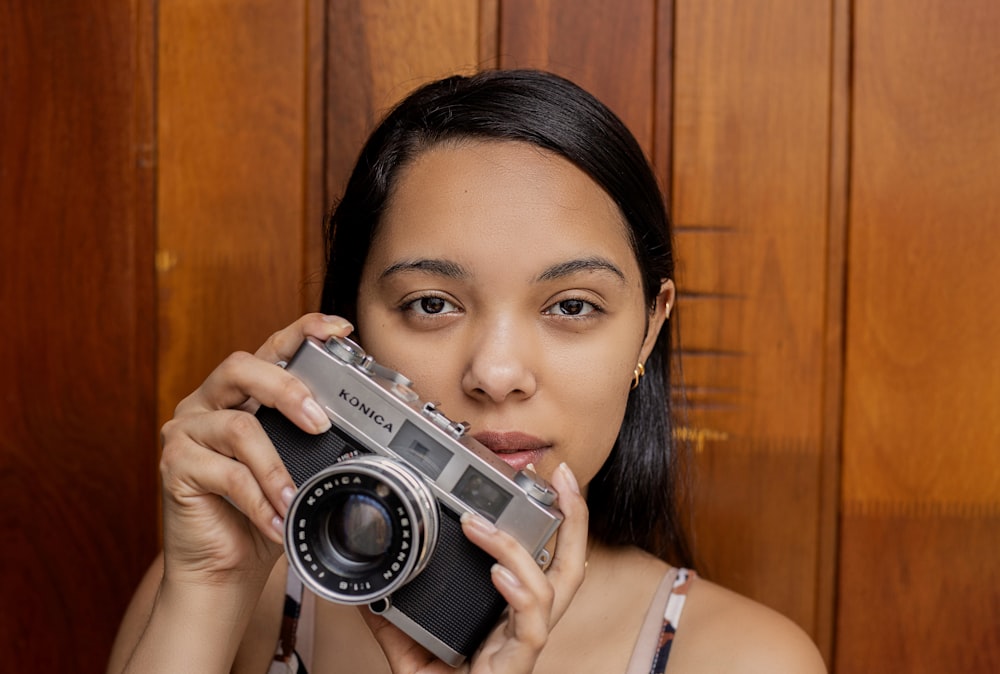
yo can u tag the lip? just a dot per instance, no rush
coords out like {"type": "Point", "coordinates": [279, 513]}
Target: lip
{"type": "Point", "coordinates": [516, 449]}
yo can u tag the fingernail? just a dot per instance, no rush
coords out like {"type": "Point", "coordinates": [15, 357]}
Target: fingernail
{"type": "Point", "coordinates": [478, 522]}
{"type": "Point", "coordinates": [531, 467]}
{"type": "Point", "coordinates": [339, 322]}
{"type": "Point", "coordinates": [287, 496]}
{"type": "Point", "coordinates": [570, 478]}
{"type": "Point", "coordinates": [316, 415]}
{"type": "Point", "coordinates": [278, 524]}
{"type": "Point", "coordinates": [505, 574]}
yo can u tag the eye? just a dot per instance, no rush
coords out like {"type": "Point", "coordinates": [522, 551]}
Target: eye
{"type": "Point", "coordinates": [429, 305]}
{"type": "Point", "coordinates": [572, 308]}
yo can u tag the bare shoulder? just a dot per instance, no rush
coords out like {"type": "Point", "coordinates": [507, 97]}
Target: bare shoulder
{"type": "Point", "coordinates": [721, 631]}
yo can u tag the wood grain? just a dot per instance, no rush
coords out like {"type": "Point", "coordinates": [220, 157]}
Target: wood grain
{"type": "Point", "coordinates": [380, 51]}
{"type": "Point", "coordinates": [235, 176]}
{"type": "Point", "coordinates": [756, 512]}
{"type": "Point", "coordinates": [923, 366]}
{"type": "Point", "coordinates": [921, 474]}
{"type": "Point", "coordinates": [750, 190]}
{"type": "Point", "coordinates": [919, 593]}
{"type": "Point", "coordinates": [751, 161]}
{"type": "Point", "coordinates": [606, 47]}
{"type": "Point", "coordinates": [78, 448]}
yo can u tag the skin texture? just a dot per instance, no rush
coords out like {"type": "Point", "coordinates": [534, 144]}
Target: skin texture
{"type": "Point", "coordinates": [501, 281]}
{"type": "Point", "coordinates": [539, 317]}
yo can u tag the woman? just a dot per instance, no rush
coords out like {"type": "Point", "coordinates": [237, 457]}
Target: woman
{"type": "Point", "coordinates": [502, 242]}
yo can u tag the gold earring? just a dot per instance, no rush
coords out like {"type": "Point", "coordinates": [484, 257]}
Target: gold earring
{"type": "Point", "coordinates": [637, 374]}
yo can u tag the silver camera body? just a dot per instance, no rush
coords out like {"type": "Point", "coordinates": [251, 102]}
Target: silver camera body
{"type": "Point", "coordinates": [376, 517]}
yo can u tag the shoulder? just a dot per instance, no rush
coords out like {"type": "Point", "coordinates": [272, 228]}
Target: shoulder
{"type": "Point", "coordinates": [726, 632]}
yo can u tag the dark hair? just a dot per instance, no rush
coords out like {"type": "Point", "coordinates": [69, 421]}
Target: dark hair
{"type": "Point", "coordinates": [633, 498]}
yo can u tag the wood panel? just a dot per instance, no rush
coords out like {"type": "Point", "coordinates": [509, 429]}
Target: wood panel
{"type": "Point", "coordinates": [750, 189]}
{"type": "Point", "coordinates": [606, 47]}
{"type": "Point", "coordinates": [918, 592]}
{"type": "Point", "coordinates": [238, 175]}
{"type": "Point", "coordinates": [921, 473]}
{"type": "Point", "coordinates": [381, 50]}
{"type": "Point", "coordinates": [78, 447]}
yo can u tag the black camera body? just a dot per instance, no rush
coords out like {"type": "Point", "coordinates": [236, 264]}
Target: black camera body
{"type": "Point", "coordinates": [376, 517]}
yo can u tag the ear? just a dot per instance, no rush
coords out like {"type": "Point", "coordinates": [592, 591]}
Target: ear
{"type": "Point", "coordinates": [658, 315]}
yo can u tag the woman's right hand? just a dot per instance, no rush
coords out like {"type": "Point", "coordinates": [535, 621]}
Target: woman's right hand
{"type": "Point", "coordinates": [225, 490]}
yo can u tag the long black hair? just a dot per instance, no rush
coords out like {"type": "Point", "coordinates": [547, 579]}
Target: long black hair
{"type": "Point", "coordinates": [633, 498]}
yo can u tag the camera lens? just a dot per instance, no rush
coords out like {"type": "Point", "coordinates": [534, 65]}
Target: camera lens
{"type": "Point", "coordinates": [360, 529]}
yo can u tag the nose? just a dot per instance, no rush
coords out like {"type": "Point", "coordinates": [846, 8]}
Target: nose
{"type": "Point", "coordinates": [500, 365]}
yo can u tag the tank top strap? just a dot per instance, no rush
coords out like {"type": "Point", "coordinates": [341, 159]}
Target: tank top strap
{"type": "Point", "coordinates": [652, 648]}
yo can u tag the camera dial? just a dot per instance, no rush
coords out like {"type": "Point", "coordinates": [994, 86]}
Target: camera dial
{"type": "Point", "coordinates": [351, 353]}
{"type": "Point", "coordinates": [346, 350]}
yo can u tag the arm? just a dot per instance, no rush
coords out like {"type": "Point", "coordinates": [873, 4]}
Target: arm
{"type": "Point", "coordinates": [225, 492]}
{"type": "Point", "coordinates": [192, 629]}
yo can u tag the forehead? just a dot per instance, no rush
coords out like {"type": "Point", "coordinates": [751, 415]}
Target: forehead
{"type": "Point", "coordinates": [505, 199]}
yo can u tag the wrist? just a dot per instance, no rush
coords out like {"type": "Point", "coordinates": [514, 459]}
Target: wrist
{"type": "Point", "coordinates": [194, 626]}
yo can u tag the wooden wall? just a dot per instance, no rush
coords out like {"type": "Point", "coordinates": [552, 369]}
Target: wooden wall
{"type": "Point", "coordinates": [239, 180]}
{"type": "Point", "coordinates": [78, 479]}
{"type": "Point", "coordinates": [831, 168]}
{"type": "Point", "coordinates": [920, 540]}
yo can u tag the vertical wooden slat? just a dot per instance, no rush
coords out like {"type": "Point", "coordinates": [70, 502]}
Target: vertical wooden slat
{"type": "Point", "coordinates": [606, 47]}
{"type": "Point", "coordinates": [381, 50]}
{"type": "Point", "coordinates": [78, 440]}
{"type": "Point", "coordinates": [489, 33]}
{"type": "Point", "coordinates": [920, 590]}
{"type": "Point", "coordinates": [234, 134]}
{"type": "Point", "coordinates": [750, 197]}
{"type": "Point", "coordinates": [316, 200]}
{"type": "Point", "coordinates": [662, 154]}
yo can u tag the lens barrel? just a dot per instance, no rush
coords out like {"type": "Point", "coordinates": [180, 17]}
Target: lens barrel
{"type": "Point", "coordinates": [360, 529]}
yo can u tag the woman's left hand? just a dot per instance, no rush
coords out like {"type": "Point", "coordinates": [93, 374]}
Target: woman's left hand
{"type": "Point", "coordinates": [537, 599]}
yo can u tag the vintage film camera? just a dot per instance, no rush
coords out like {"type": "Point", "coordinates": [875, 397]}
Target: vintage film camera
{"type": "Point", "coordinates": [376, 517]}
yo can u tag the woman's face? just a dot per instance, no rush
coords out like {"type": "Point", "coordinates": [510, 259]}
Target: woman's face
{"type": "Point", "coordinates": [502, 282]}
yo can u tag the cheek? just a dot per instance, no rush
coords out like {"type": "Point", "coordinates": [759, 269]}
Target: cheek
{"type": "Point", "coordinates": [592, 406]}
{"type": "Point", "coordinates": [421, 361]}
{"type": "Point", "coordinates": [376, 333]}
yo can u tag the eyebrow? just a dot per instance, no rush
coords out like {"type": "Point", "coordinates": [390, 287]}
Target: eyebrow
{"type": "Point", "coordinates": [445, 268]}
{"type": "Point", "coordinates": [587, 264]}
{"type": "Point", "coordinates": [453, 270]}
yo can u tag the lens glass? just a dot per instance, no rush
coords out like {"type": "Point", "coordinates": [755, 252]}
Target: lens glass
{"type": "Point", "coordinates": [360, 529]}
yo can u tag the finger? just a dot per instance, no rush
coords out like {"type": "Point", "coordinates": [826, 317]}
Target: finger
{"type": "Point", "coordinates": [242, 377]}
{"type": "Point", "coordinates": [559, 584]}
{"type": "Point", "coordinates": [536, 600]}
{"type": "Point", "coordinates": [517, 577]}
{"type": "Point", "coordinates": [566, 572]}
{"type": "Point", "coordinates": [515, 643]}
{"type": "Point", "coordinates": [239, 435]}
{"type": "Point", "coordinates": [190, 470]}
{"type": "Point", "coordinates": [528, 620]}
{"type": "Point", "coordinates": [283, 344]}
{"type": "Point", "coordinates": [242, 380]}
